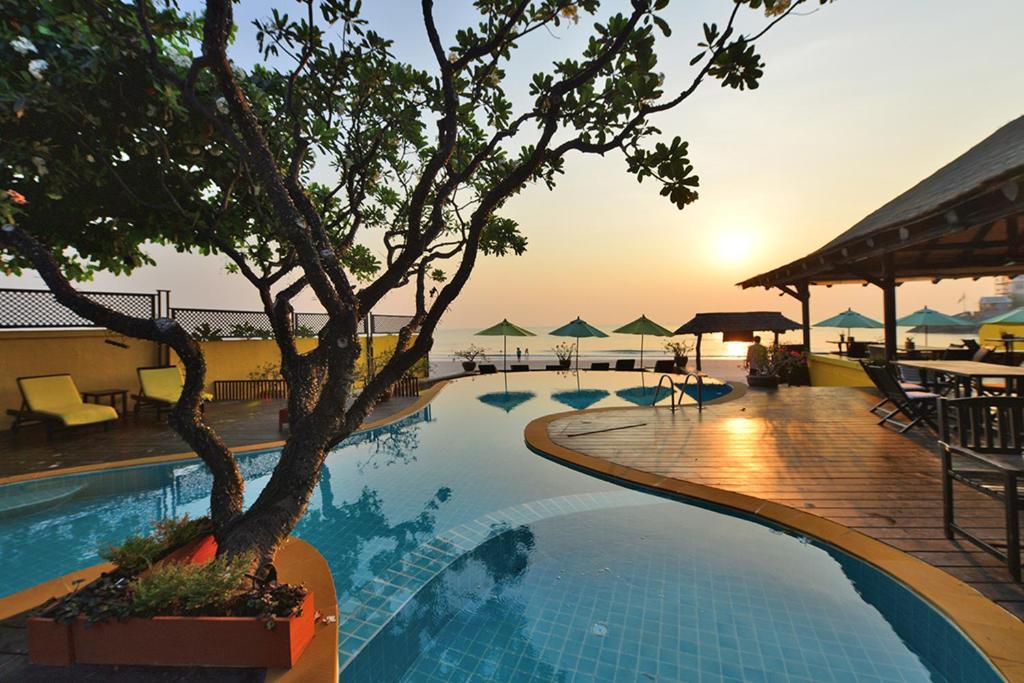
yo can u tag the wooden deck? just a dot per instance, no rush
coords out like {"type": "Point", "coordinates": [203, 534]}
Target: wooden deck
{"type": "Point", "coordinates": [816, 449]}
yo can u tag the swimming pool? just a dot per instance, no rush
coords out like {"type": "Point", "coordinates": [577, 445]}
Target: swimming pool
{"type": "Point", "coordinates": [460, 555]}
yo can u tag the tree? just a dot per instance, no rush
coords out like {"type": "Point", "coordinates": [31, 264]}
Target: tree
{"type": "Point", "coordinates": [117, 136]}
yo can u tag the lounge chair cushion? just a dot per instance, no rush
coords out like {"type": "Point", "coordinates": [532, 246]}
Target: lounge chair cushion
{"type": "Point", "coordinates": [57, 396]}
{"type": "Point", "coordinates": [164, 384]}
{"type": "Point", "coordinates": [921, 395]}
{"type": "Point", "coordinates": [910, 386]}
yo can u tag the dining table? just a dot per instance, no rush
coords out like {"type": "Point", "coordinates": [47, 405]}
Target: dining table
{"type": "Point", "coordinates": [969, 375]}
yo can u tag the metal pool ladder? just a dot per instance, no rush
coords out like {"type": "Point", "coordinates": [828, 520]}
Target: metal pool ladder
{"type": "Point", "coordinates": [697, 377]}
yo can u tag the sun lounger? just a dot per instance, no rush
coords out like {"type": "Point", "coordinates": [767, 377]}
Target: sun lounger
{"type": "Point", "coordinates": [625, 364]}
{"type": "Point", "coordinates": [906, 383]}
{"type": "Point", "coordinates": [54, 400]}
{"type": "Point", "coordinates": [553, 367]}
{"type": "Point", "coordinates": [488, 369]}
{"type": "Point", "coordinates": [160, 387]}
{"type": "Point", "coordinates": [916, 406]}
{"type": "Point", "coordinates": [981, 446]}
{"type": "Point", "coordinates": [600, 366]}
{"type": "Point", "coordinates": [665, 366]}
{"type": "Point", "coordinates": [519, 367]}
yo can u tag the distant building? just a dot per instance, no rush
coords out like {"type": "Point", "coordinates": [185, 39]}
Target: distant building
{"type": "Point", "coordinates": [994, 305]}
{"type": "Point", "coordinates": [1013, 288]}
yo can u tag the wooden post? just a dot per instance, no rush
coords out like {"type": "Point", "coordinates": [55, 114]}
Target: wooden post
{"type": "Point", "coordinates": [889, 307]}
{"type": "Point", "coordinates": [699, 336]}
{"type": "Point", "coordinates": [804, 290]}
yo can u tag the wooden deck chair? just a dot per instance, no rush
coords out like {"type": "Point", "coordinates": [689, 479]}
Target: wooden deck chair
{"type": "Point", "coordinates": [488, 369]}
{"type": "Point", "coordinates": [625, 364]}
{"type": "Point", "coordinates": [55, 401]}
{"type": "Point", "coordinates": [600, 366]}
{"type": "Point", "coordinates": [916, 406]}
{"type": "Point", "coordinates": [981, 441]}
{"type": "Point", "coordinates": [665, 366]}
{"type": "Point", "coordinates": [160, 387]}
{"type": "Point", "coordinates": [519, 367]}
{"type": "Point", "coordinates": [895, 372]}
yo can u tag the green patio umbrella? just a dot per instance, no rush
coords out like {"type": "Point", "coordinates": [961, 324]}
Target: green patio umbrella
{"type": "Point", "coordinates": [850, 318]}
{"type": "Point", "coordinates": [505, 329]}
{"type": "Point", "coordinates": [578, 328]}
{"type": "Point", "coordinates": [1014, 317]}
{"type": "Point", "coordinates": [926, 318]}
{"type": "Point", "coordinates": [644, 326]}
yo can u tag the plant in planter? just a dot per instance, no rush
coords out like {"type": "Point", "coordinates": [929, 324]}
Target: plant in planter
{"type": "Point", "coordinates": [909, 344]}
{"type": "Point", "coordinates": [680, 351]}
{"type": "Point", "coordinates": [563, 352]}
{"type": "Point", "coordinates": [171, 602]}
{"type": "Point", "coordinates": [205, 332]}
{"type": "Point", "coordinates": [469, 356]}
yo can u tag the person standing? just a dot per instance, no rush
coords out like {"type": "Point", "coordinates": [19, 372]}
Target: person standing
{"type": "Point", "coordinates": [519, 353]}
{"type": "Point", "coordinates": [757, 357]}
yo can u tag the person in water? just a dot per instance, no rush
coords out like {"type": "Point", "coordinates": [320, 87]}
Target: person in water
{"type": "Point", "coordinates": [757, 357]}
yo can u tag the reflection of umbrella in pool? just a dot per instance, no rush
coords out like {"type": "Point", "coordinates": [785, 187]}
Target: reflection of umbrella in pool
{"type": "Point", "coordinates": [926, 318]}
{"type": "Point", "coordinates": [578, 328]}
{"type": "Point", "coordinates": [643, 396]}
{"type": "Point", "coordinates": [506, 400]}
{"type": "Point", "coordinates": [709, 392]}
{"type": "Point", "coordinates": [579, 399]}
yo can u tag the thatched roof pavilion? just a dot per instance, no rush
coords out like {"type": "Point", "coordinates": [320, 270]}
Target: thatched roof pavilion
{"type": "Point", "coordinates": [964, 220]}
{"type": "Point", "coordinates": [736, 322]}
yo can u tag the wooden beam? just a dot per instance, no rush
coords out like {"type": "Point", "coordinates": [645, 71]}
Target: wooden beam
{"type": "Point", "coordinates": [804, 289]}
{"type": "Point", "coordinates": [790, 291]}
{"type": "Point", "coordinates": [889, 307]}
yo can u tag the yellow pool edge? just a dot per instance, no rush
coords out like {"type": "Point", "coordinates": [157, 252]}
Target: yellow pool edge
{"type": "Point", "coordinates": [425, 397]}
{"type": "Point", "coordinates": [994, 631]}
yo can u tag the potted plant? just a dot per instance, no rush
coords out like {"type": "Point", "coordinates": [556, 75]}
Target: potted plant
{"type": "Point", "coordinates": [469, 356]}
{"type": "Point", "coordinates": [765, 374]}
{"type": "Point", "coordinates": [170, 601]}
{"type": "Point", "coordinates": [909, 344]}
{"type": "Point", "coordinates": [680, 353]}
{"type": "Point", "coordinates": [563, 352]}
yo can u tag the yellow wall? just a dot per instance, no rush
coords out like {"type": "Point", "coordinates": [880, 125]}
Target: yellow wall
{"type": "Point", "coordinates": [82, 353]}
{"type": "Point", "coordinates": [986, 333]}
{"type": "Point", "coordinates": [96, 365]}
{"type": "Point", "coordinates": [832, 371]}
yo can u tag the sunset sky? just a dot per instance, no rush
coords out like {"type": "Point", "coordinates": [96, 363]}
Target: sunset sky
{"type": "Point", "coordinates": [860, 100]}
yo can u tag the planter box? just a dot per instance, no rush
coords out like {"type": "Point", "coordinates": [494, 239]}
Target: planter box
{"type": "Point", "coordinates": [174, 641]}
{"type": "Point", "coordinates": [763, 381]}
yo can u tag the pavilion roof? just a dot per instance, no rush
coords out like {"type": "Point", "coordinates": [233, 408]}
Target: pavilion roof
{"type": "Point", "coordinates": [751, 321]}
{"type": "Point", "coordinates": [961, 221]}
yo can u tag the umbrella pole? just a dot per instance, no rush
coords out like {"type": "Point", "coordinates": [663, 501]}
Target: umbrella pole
{"type": "Point", "coordinates": [504, 353]}
{"type": "Point", "coordinates": [641, 353]}
{"type": "Point", "coordinates": [577, 356]}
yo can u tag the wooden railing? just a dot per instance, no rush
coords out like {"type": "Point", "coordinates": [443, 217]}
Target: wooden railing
{"type": "Point", "coordinates": [249, 389]}
{"type": "Point", "coordinates": [407, 386]}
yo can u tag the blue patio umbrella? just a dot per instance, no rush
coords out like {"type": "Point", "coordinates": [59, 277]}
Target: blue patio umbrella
{"type": "Point", "coordinates": [850, 318]}
{"type": "Point", "coordinates": [926, 318]}
{"type": "Point", "coordinates": [709, 391]}
{"type": "Point", "coordinates": [578, 328]}
{"type": "Point", "coordinates": [1014, 317]}
{"type": "Point", "coordinates": [506, 400]}
{"type": "Point", "coordinates": [579, 399]}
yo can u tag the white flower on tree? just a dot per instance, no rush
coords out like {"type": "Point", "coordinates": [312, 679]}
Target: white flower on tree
{"type": "Point", "coordinates": [222, 105]}
{"type": "Point", "coordinates": [23, 45]}
{"type": "Point", "coordinates": [38, 67]}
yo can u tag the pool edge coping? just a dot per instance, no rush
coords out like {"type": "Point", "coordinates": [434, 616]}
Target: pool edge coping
{"type": "Point", "coordinates": [992, 629]}
{"type": "Point", "coordinates": [425, 397]}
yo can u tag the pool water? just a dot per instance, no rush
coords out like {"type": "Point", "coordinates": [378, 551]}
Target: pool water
{"type": "Point", "coordinates": [460, 555]}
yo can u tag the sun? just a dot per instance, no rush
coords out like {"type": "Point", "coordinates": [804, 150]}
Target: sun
{"type": "Point", "coordinates": [732, 246]}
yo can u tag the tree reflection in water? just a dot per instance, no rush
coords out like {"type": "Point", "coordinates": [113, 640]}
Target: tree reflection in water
{"type": "Point", "coordinates": [365, 540]}
{"type": "Point", "coordinates": [476, 584]}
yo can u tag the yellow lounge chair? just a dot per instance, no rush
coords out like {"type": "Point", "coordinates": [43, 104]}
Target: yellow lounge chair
{"type": "Point", "coordinates": [161, 387]}
{"type": "Point", "coordinates": [55, 400]}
